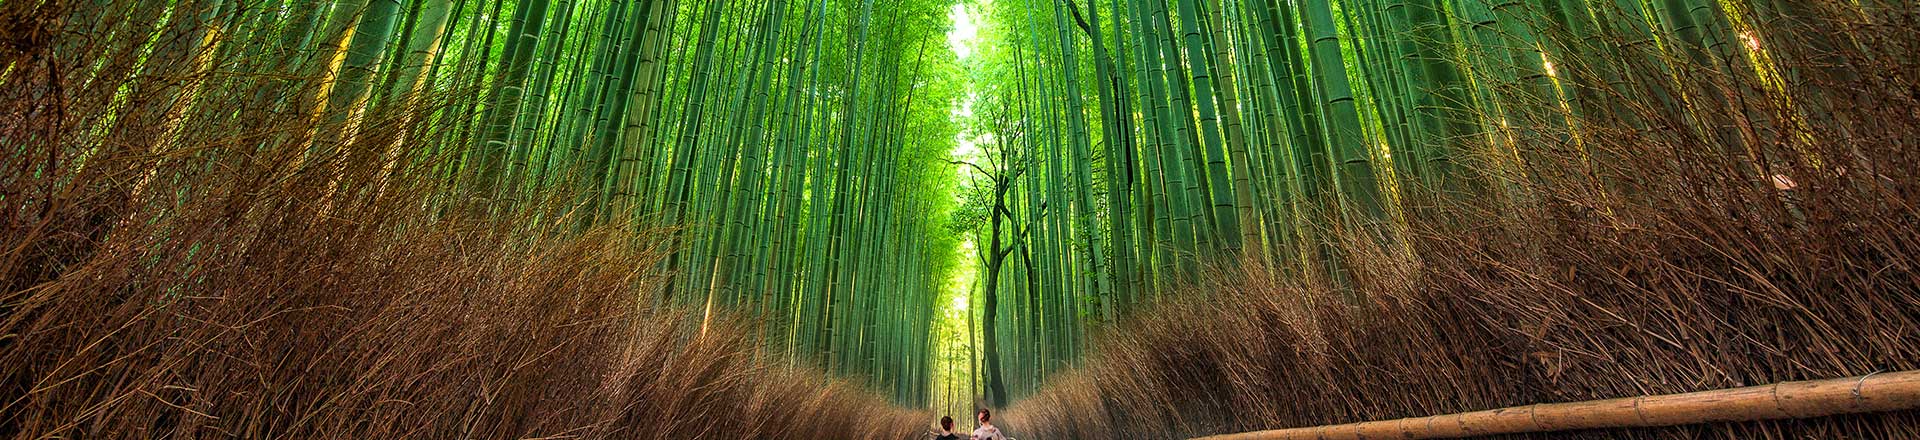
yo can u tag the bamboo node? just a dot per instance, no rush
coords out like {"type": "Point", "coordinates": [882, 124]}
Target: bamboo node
{"type": "Point", "coordinates": [1774, 391]}
{"type": "Point", "coordinates": [1862, 382]}
{"type": "Point", "coordinates": [1637, 412]}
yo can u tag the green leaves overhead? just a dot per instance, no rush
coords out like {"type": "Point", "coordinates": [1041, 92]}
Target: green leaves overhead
{"type": "Point", "coordinates": [799, 155]}
{"type": "Point", "coordinates": [1227, 132]}
{"type": "Point", "coordinates": [790, 151]}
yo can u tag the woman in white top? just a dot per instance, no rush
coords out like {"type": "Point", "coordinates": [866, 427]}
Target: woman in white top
{"type": "Point", "coordinates": [986, 431]}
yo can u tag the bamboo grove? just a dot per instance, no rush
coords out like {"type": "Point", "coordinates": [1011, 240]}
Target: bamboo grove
{"type": "Point", "coordinates": [781, 140]}
{"type": "Point", "coordinates": [820, 164]}
{"type": "Point", "coordinates": [781, 146]}
{"type": "Point", "coordinates": [1133, 144]}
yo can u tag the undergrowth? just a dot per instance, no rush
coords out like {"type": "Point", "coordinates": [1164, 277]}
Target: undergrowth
{"type": "Point", "coordinates": [1632, 254]}
{"type": "Point", "coordinates": [177, 260]}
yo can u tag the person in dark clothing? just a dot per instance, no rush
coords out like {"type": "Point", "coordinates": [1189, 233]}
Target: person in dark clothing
{"type": "Point", "coordinates": [946, 430]}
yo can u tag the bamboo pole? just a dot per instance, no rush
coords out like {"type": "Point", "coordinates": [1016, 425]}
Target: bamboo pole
{"type": "Point", "coordinates": [1785, 400]}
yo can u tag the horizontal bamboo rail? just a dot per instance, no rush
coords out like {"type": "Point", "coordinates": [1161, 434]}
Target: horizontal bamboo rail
{"type": "Point", "coordinates": [1785, 400]}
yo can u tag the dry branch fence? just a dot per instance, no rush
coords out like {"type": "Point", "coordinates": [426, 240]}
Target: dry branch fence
{"type": "Point", "coordinates": [1784, 400]}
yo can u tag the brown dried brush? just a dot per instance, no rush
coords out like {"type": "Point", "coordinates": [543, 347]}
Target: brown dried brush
{"type": "Point", "coordinates": [1641, 262]}
{"type": "Point", "coordinates": [175, 262]}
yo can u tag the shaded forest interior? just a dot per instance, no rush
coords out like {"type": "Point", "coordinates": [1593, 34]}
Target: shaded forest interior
{"type": "Point", "coordinates": [842, 218]}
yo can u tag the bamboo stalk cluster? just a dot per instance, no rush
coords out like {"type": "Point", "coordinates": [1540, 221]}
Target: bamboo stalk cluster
{"type": "Point", "coordinates": [794, 158]}
{"type": "Point", "coordinates": [780, 148]}
{"type": "Point", "coordinates": [1575, 201]}
{"type": "Point", "coordinates": [274, 220]}
{"type": "Point", "coordinates": [1270, 132]}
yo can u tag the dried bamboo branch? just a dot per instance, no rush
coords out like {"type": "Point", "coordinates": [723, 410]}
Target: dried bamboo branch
{"type": "Point", "coordinates": [1784, 400]}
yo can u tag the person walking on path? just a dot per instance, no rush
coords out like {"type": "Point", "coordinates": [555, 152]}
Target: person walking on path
{"type": "Point", "coordinates": [986, 431]}
{"type": "Point", "coordinates": [946, 430]}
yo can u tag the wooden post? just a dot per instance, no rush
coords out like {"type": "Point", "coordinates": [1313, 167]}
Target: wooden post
{"type": "Point", "coordinates": [1785, 400]}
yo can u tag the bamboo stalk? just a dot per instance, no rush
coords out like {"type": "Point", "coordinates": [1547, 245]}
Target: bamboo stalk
{"type": "Point", "coordinates": [1785, 400]}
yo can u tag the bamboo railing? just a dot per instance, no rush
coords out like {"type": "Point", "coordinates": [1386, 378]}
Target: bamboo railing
{"type": "Point", "coordinates": [1785, 400]}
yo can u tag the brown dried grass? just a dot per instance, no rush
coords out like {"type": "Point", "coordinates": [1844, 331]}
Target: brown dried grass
{"type": "Point", "coordinates": [1660, 266]}
{"type": "Point", "coordinates": [176, 262]}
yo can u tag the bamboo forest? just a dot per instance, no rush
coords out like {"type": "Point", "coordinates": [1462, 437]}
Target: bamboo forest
{"type": "Point", "coordinates": [1039, 219]}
